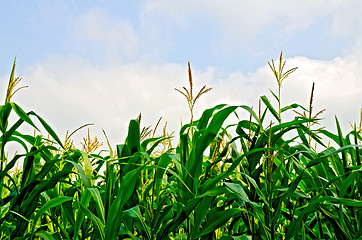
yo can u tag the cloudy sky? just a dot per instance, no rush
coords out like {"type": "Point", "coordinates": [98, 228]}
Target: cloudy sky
{"type": "Point", "coordinates": [104, 62]}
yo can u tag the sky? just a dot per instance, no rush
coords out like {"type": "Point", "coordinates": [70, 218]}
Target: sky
{"type": "Point", "coordinates": [105, 62]}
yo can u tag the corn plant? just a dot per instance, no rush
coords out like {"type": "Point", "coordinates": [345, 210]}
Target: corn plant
{"type": "Point", "coordinates": [247, 180]}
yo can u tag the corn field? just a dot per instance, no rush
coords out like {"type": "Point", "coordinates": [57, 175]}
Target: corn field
{"type": "Point", "coordinates": [253, 179]}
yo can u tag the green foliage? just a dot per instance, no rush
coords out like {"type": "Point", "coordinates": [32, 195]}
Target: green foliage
{"type": "Point", "coordinates": [248, 180]}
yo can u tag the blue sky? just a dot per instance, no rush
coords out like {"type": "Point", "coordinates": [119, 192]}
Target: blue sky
{"type": "Point", "coordinates": [36, 31]}
{"type": "Point", "coordinates": [106, 61]}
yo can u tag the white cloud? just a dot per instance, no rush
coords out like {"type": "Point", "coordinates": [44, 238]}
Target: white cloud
{"type": "Point", "coordinates": [71, 92]}
{"type": "Point", "coordinates": [347, 19]}
{"type": "Point", "coordinates": [113, 34]}
{"type": "Point", "coordinates": [241, 22]}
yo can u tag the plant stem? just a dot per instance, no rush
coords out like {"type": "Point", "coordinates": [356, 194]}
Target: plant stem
{"type": "Point", "coordinates": [280, 111]}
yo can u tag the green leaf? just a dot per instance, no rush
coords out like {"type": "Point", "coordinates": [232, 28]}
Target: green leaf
{"type": "Point", "coordinates": [52, 203]}
{"type": "Point", "coordinates": [276, 97]}
{"type": "Point", "coordinates": [28, 169]}
{"type": "Point", "coordinates": [48, 129]}
{"type": "Point", "coordinates": [5, 111]}
{"type": "Point", "coordinates": [292, 106]}
{"type": "Point", "coordinates": [242, 237]}
{"type": "Point", "coordinates": [206, 115]}
{"type": "Point", "coordinates": [99, 204]}
{"type": "Point", "coordinates": [252, 114]}
{"type": "Point", "coordinates": [45, 235]}
{"type": "Point", "coordinates": [135, 213]}
{"type": "Point", "coordinates": [218, 219]}
{"type": "Point", "coordinates": [348, 182]}
{"type": "Point", "coordinates": [270, 107]}
{"type": "Point", "coordinates": [240, 193]}
{"type": "Point", "coordinates": [96, 221]}
{"type": "Point", "coordinates": [163, 162]}
{"type": "Point", "coordinates": [22, 115]}
{"type": "Point", "coordinates": [183, 214]}
{"type": "Point", "coordinates": [201, 210]}
{"type": "Point", "coordinates": [86, 196]}
{"type": "Point", "coordinates": [81, 173]}
{"type": "Point", "coordinates": [324, 157]}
